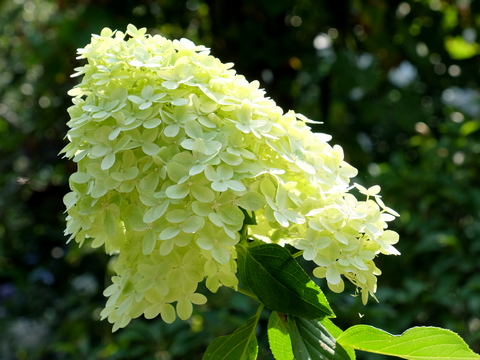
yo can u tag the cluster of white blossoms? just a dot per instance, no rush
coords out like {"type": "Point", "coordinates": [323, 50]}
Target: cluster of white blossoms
{"type": "Point", "coordinates": [175, 150]}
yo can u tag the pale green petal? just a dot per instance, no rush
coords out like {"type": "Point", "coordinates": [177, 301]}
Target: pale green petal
{"type": "Point", "coordinates": [338, 288]}
{"type": "Point", "coordinates": [145, 270]}
{"type": "Point", "coordinates": [219, 186]}
{"type": "Point", "coordinates": [202, 209]}
{"type": "Point", "coordinates": [153, 310]}
{"type": "Point", "coordinates": [111, 183]}
{"type": "Point", "coordinates": [70, 199]}
{"type": "Point", "coordinates": [149, 240]}
{"type": "Point", "coordinates": [80, 177]}
{"type": "Point", "coordinates": [177, 191]}
{"type": "Point", "coordinates": [211, 174]}
{"type": "Point", "coordinates": [179, 102]}
{"type": "Point", "coordinates": [150, 148]}
{"type": "Point", "coordinates": [118, 176]}
{"type": "Point", "coordinates": [199, 146]}
{"type": "Point", "coordinates": [231, 214]}
{"type": "Point", "coordinates": [193, 129]}
{"type": "Point", "coordinates": [168, 313]}
{"type": "Point", "coordinates": [136, 99]}
{"type": "Point", "coordinates": [251, 201]}
{"type": "Point", "coordinates": [230, 159]}
{"type": "Point", "coordinates": [212, 147]}
{"type": "Point", "coordinates": [161, 287]}
{"type": "Point", "coordinates": [184, 309]}
{"type": "Point", "coordinates": [98, 191]}
{"type": "Point", "coordinates": [144, 285]}
{"type": "Point", "coordinates": [213, 284]}
{"type": "Point", "coordinates": [197, 299]}
{"type": "Point", "coordinates": [176, 171]}
{"type": "Point", "coordinates": [293, 216]}
{"type": "Point", "coordinates": [309, 169]}
{"type": "Point", "coordinates": [152, 123]}
{"type": "Point", "coordinates": [155, 213]}
{"type": "Point", "coordinates": [193, 224]}
{"type": "Point", "coordinates": [205, 243]}
{"type": "Point", "coordinates": [108, 161]}
{"type": "Point", "coordinates": [134, 219]}
{"type": "Point", "coordinates": [99, 150]}
{"type": "Point", "coordinates": [171, 130]}
{"type": "Point", "coordinates": [235, 185]}
{"type": "Point", "coordinates": [170, 85]}
{"type": "Point", "coordinates": [282, 220]}
{"type": "Point", "coordinates": [183, 239]}
{"type": "Point", "coordinates": [110, 223]}
{"type": "Point", "coordinates": [166, 248]}
{"type": "Point", "coordinates": [197, 169]}
{"type": "Point", "coordinates": [220, 254]}
{"type": "Point", "coordinates": [177, 215]}
{"type": "Point", "coordinates": [309, 254]}
{"type": "Point", "coordinates": [131, 173]}
{"type": "Point", "coordinates": [215, 219]}
{"type": "Point", "coordinates": [122, 143]}
{"type": "Point", "coordinates": [125, 305]}
{"type": "Point", "coordinates": [175, 278]}
{"type": "Point", "coordinates": [333, 275]}
{"type": "Point", "coordinates": [145, 105]}
{"type": "Point", "coordinates": [169, 233]}
{"type": "Point", "coordinates": [225, 172]}
{"type": "Point", "coordinates": [202, 193]}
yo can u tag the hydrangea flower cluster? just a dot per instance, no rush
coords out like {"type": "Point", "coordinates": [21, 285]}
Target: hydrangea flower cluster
{"type": "Point", "coordinates": [175, 151]}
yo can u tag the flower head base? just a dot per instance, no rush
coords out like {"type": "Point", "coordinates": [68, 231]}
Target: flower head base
{"type": "Point", "coordinates": [174, 149]}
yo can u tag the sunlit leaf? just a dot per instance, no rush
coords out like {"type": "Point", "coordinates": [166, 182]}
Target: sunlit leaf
{"type": "Point", "coordinates": [279, 337]}
{"type": "Point", "coordinates": [418, 343]}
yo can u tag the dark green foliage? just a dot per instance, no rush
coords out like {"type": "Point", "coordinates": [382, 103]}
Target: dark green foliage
{"type": "Point", "coordinates": [281, 284]}
{"type": "Point", "coordinates": [418, 139]}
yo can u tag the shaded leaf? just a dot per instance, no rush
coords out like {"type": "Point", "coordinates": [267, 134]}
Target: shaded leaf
{"type": "Point", "coordinates": [241, 345]}
{"type": "Point", "coordinates": [315, 339]}
{"type": "Point", "coordinates": [282, 285]}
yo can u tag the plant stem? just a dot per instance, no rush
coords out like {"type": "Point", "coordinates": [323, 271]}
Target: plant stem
{"type": "Point", "coordinates": [248, 293]}
{"type": "Point", "coordinates": [297, 254]}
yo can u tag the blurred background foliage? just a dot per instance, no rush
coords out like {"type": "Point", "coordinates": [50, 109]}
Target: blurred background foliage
{"type": "Point", "coordinates": [395, 83]}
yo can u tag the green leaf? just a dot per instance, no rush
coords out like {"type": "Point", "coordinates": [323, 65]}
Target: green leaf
{"type": "Point", "coordinates": [241, 345]}
{"type": "Point", "coordinates": [282, 285]}
{"type": "Point", "coordinates": [315, 339]}
{"type": "Point", "coordinates": [249, 218]}
{"type": "Point", "coordinates": [426, 343]}
{"type": "Point", "coordinates": [241, 253]}
{"type": "Point", "coordinates": [279, 338]}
